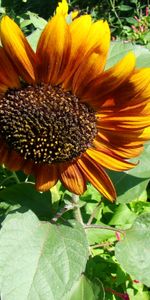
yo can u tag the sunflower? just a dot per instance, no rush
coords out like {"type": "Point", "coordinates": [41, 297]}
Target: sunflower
{"type": "Point", "coordinates": [62, 116]}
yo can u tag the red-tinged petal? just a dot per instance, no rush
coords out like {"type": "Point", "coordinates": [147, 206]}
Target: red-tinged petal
{"type": "Point", "coordinates": [129, 122]}
{"type": "Point", "coordinates": [28, 167]}
{"type": "Point", "coordinates": [121, 151]}
{"type": "Point", "coordinates": [109, 80]}
{"type": "Point", "coordinates": [14, 161]}
{"type": "Point", "coordinates": [46, 177]}
{"type": "Point", "coordinates": [18, 49]}
{"type": "Point", "coordinates": [72, 178]}
{"type": "Point", "coordinates": [135, 90]}
{"type": "Point", "coordinates": [108, 161]}
{"type": "Point", "coordinates": [97, 176]}
{"type": "Point", "coordinates": [53, 50]}
{"type": "Point", "coordinates": [132, 93]}
{"type": "Point", "coordinates": [81, 79]}
{"type": "Point", "coordinates": [8, 75]}
{"type": "Point", "coordinates": [3, 152]}
{"type": "Point", "coordinates": [124, 137]}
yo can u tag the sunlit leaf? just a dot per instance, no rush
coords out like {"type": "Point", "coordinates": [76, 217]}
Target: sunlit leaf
{"type": "Point", "coordinates": [133, 253]}
{"type": "Point", "coordinates": [40, 260]}
{"type": "Point", "coordinates": [84, 289]}
{"type": "Point", "coordinates": [119, 49]}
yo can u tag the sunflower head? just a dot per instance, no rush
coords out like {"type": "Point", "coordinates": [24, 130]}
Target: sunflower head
{"type": "Point", "coordinates": [62, 115]}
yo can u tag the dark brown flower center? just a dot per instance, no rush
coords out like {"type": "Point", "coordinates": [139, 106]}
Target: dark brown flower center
{"type": "Point", "coordinates": [46, 124]}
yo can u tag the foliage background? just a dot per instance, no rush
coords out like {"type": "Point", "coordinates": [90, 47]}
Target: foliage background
{"type": "Point", "coordinates": [45, 256]}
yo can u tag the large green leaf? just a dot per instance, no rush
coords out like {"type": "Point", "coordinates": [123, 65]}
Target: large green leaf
{"type": "Point", "coordinates": [133, 253]}
{"type": "Point", "coordinates": [119, 49]}
{"type": "Point", "coordinates": [84, 289]}
{"type": "Point", "coordinates": [40, 260]}
{"type": "Point", "coordinates": [34, 37]}
{"type": "Point", "coordinates": [26, 196]}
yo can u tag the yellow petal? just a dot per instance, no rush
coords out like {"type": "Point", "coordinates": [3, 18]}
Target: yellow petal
{"type": "Point", "coordinates": [53, 50]}
{"type": "Point", "coordinates": [93, 62]}
{"type": "Point", "coordinates": [97, 176]}
{"type": "Point", "coordinates": [74, 14]}
{"type": "Point", "coordinates": [79, 30]}
{"type": "Point", "coordinates": [98, 39]}
{"type": "Point", "coordinates": [18, 49]}
{"type": "Point", "coordinates": [8, 75]}
{"type": "Point", "coordinates": [62, 8]}
{"type": "Point", "coordinates": [108, 161]}
{"type": "Point", "coordinates": [72, 178]}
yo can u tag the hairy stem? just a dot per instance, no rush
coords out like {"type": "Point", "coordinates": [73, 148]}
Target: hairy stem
{"type": "Point", "coordinates": [77, 211]}
{"type": "Point", "coordinates": [94, 213]}
{"type": "Point", "coordinates": [104, 227]}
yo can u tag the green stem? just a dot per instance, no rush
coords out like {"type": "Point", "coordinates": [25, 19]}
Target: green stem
{"type": "Point", "coordinates": [15, 177]}
{"type": "Point", "coordinates": [94, 213]}
{"type": "Point", "coordinates": [95, 226]}
{"type": "Point", "coordinates": [112, 4]}
{"type": "Point", "coordinates": [77, 211]}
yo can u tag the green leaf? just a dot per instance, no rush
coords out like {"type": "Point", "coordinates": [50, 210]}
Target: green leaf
{"type": "Point", "coordinates": [119, 49]}
{"type": "Point", "coordinates": [97, 236]}
{"type": "Point", "coordinates": [40, 260]}
{"type": "Point", "coordinates": [122, 215]}
{"type": "Point", "coordinates": [131, 184]}
{"type": "Point", "coordinates": [142, 170]}
{"type": "Point", "coordinates": [37, 21]}
{"type": "Point", "coordinates": [26, 196]}
{"type": "Point", "coordinates": [34, 37]}
{"type": "Point", "coordinates": [133, 253]}
{"type": "Point", "coordinates": [123, 7]}
{"type": "Point", "coordinates": [84, 289]}
{"type": "Point", "coordinates": [131, 20]}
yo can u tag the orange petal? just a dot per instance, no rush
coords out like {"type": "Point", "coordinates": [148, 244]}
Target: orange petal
{"type": "Point", "coordinates": [53, 49]}
{"type": "Point", "coordinates": [18, 49]}
{"type": "Point", "coordinates": [8, 75]}
{"type": "Point", "coordinates": [72, 178]}
{"type": "Point", "coordinates": [3, 88]}
{"type": "Point", "coordinates": [110, 80]}
{"type": "Point", "coordinates": [46, 177]}
{"type": "Point", "coordinates": [97, 176]}
{"type": "Point", "coordinates": [14, 161]}
{"type": "Point", "coordinates": [108, 161]}
{"type": "Point", "coordinates": [129, 122]}
{"type": "Point", "coordinates": [124, 137]}
{"type": "Point", "coordinates": [121, 151]}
